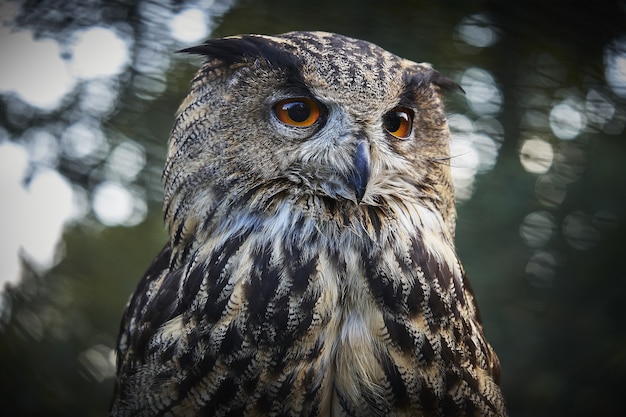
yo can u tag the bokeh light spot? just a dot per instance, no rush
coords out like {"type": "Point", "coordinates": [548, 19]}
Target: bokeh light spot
{"type": "Point", "coordinates": [84, 139]}
{"type": "Point", "coordinates": [21, 68]}
{"type": "Point", "coordinates": [579, 231]}
{"type": "Point", "coordinates": [99, 52]}
{"type": "Point", "coordinates": [566, 120]}
{"type": "Point", "coordinates": [541, 269]}
{"type": "Point", "coordinates": [33, 219]}
{"type": "Point", "coordinates": [116, 205]}
{"type": "Point", "coordinates": [549, 192]}
{"type": "Point", "coordinates": [615, 66]}
{"type": "Point", "coordinates": [536, 156]}
{"type": "Point", "coordinates": [97, 363]}
{"type": "Point", "coordinates": [599, 108]}
{"type": "Point", "coordinates": [484, 96]}
{"type": "Point", "coordinates": [126, 161]}
{"type": "Point", "coordinates": [477, 30]}
{"type": "Point", "coordinates": [190, 25]}
{"type": "Point", "coordinates": [537, 228]}
{"type": "Point", "coordinates": [99, 97]}
{"type": "Point", "coordinates": [43, 146]}
{"type": "Point", "coordinates": [464, 165]}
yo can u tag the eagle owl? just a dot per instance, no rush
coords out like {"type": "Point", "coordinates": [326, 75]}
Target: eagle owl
{"type": "Point", "coordinates": [310, 268]}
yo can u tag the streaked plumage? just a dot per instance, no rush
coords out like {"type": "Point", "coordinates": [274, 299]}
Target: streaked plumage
{"type": "Point", "coordinates": [310, 270]}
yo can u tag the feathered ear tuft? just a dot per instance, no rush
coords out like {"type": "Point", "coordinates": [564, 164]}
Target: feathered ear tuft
{"type": "Point", "coordinates": [245, 48]}
{"type": "Point", "coordinates": [426, 76]}
{"type": "Point", "coordinates": [230, 50]}
{"type": "Point", "coordinates": [446, 84]}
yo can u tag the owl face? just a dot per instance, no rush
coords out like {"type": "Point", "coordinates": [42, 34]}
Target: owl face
{"type": "Point", "coordinates": [310, 115]}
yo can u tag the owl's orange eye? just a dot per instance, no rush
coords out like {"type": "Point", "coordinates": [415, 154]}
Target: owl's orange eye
{"type": "Point", "coordinates": [301, 112]}
{"type": "Point", "coordinates": [399, 122]}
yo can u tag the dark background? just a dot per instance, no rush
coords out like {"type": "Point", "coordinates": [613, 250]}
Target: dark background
{"type": "Point", "coordinates": [543, 246]}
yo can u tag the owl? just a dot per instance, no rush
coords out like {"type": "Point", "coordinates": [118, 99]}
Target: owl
{"type": "Point", "coordinates": [310, 268]}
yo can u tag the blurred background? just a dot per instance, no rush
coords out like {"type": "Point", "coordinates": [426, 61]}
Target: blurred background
{"type": "Point", "coordinates": [88, 92]}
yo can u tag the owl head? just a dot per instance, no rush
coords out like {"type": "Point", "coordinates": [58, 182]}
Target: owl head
{"type": "Point", "coordinates": [312, 117]}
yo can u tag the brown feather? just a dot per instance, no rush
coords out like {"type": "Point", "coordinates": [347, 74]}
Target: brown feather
{"type": "Point", "coordinates": [283, 290]}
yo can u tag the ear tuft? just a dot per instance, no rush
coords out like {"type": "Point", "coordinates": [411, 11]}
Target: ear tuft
{"type": "Point", "coordinates": [446, 84]}
{"type": "Point", "coordinates": [246, 48]}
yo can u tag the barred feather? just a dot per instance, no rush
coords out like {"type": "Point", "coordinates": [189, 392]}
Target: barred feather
{"type": "Point", "coordinates": [280, 292]}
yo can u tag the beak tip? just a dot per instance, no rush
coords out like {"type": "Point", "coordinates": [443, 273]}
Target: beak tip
{"type": "Point", "coordinates": [359, 193]}
{"type": "Point", "coordinates": [361, 174]}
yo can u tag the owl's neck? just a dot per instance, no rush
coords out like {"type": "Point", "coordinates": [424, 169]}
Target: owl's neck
{"type": "Point", "coordinates": [307, 222]}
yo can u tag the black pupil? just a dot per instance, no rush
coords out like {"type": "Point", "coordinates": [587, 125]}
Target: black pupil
{"type": "Point", "coordinates": [298, 111]}
{"type": "Point", "coordinates": [393, 121]}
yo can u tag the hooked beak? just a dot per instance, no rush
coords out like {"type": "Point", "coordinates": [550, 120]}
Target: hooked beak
{"type": "Point", "coordinates": [360, 175]}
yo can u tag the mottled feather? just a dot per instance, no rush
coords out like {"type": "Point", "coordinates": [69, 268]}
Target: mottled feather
{"type": "Point", "coordinates": [286, 288]}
